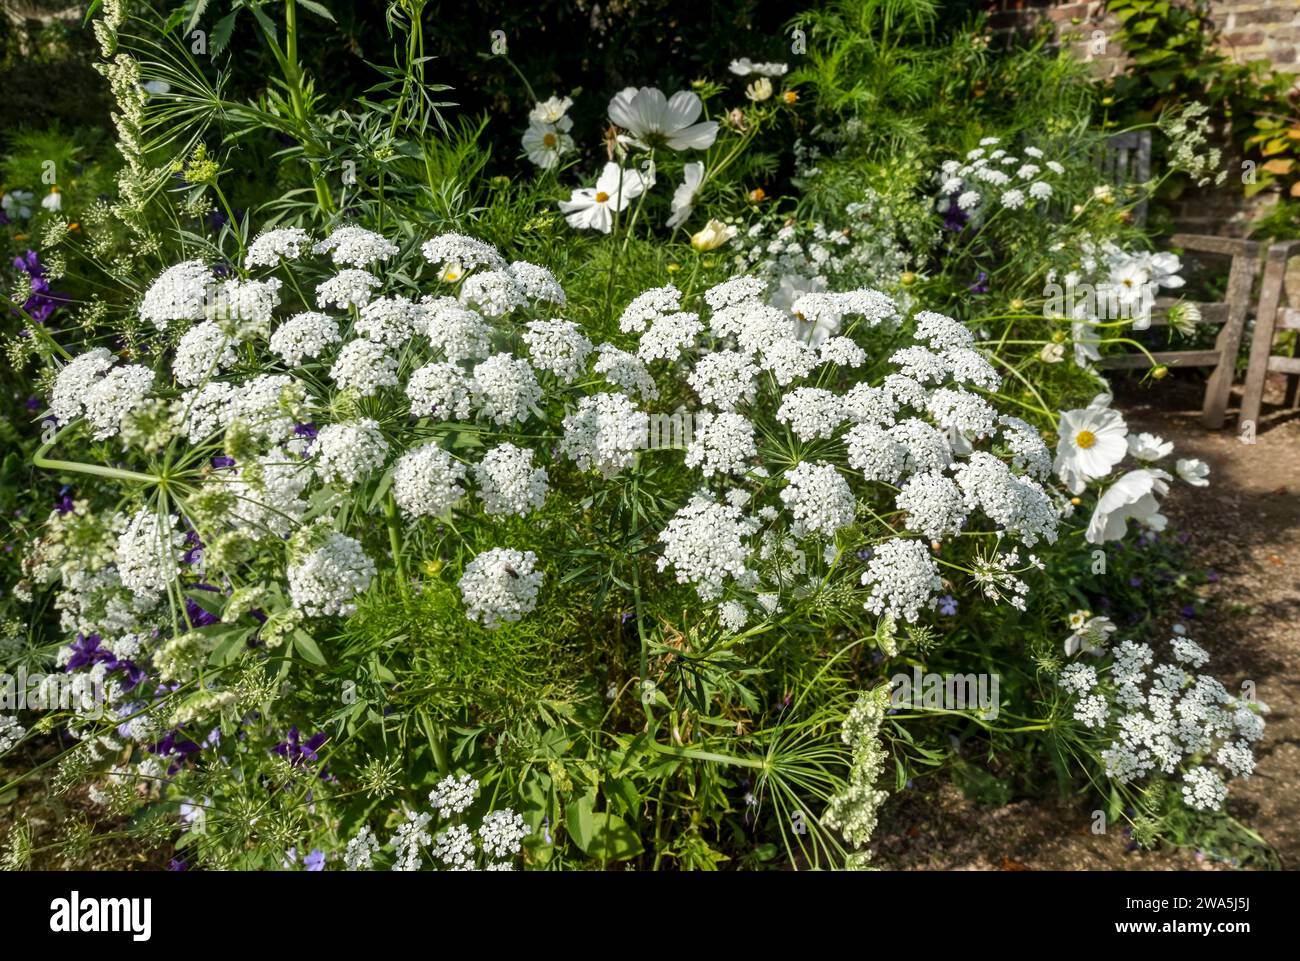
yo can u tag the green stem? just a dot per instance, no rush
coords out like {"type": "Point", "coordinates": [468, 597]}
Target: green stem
{"type": "Point", "coordinates": [394, 523]}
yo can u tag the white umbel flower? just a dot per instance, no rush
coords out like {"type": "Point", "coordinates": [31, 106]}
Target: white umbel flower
{"type": "Point", "coordinates": [273, 247]}
{"type": "Point", "coordinates": [391, 320]}
{"type": "Point", "coordinates": [811, 413]}
{"type": "Point", "coordinates": [819, 498]}
{"type": "Point", "coordinates": [502, 833]}
{"type": "Point", "coordinates": [494, 293]}
{"type": "Point", "coordinates": [705, 543]}
{"type": "Point", "coordinates": [500, 586]}
{"type": "Point", "coordinates": [110, 399]}
{"type": "Point", "coordinates": [441, 391]}
{"type": "Point", "coordinates": [426, 481]}
{"type": "Point", "coordinates": [626, 371]}
{"type": "Point", "coordinates": [648, 307]}
{"type": "Point", "coordinates": [509, 482]}
{"type": "Point", "coordinates": [462, 251]}
{"type": "Point", "coordinates": [724, 379]}
{"type": "Point", "coordinates": [347, 288]}
{"type": "Point", "coordinates": [304, 336]}
{"type": "Point", "coordinates": [348, 453]}
{"type": "Point", "coordinates": [558, 346]}
{"type": "Point", "coordinates": [721, 444]}
{"type": "Point", "coordinates": [74, 381]}
{"type": "Point", "coordinates": [903, 578]}
{"type": "Point", "coordinates": [356, 247]}
{"type": "Point", "coordinates": [148, 553]}
{"type": "Point", "coordinates": [538, 283]}
{"type": "Point", "coordinates": [328, 579]}
{"type": "Point", "coordinates": [365, 367]}
{"type": "Point", "coordinates": [604, 433]}
{"type": "Point", "coordinates": [453, 795]}
{"type": "Point", "coordinates": [205, 351]}
{"type": "Point", "coordinates": [505, 389]}
{"type": "Point", "coordinates": [179, 293]}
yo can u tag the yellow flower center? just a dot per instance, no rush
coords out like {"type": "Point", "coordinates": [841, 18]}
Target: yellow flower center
{"type": "Point", "coordinates": [1085, 439]}
{"type": "Point", "coordinates": [549, 140]}
{"type": "Point", "coordinates": [601, 196]}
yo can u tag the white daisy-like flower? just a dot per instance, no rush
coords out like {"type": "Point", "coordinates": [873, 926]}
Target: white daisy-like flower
{"type": "Point", "coordinates": [684, 196]}
{"type": "Point", "coordinates": [1149, 447]}
{"type": "Point", "coordinates": [1133, 496]}
{"type": "Point", "coordinates": [545, 144]}
{"type": "Point", "coordinates": [1193, 471]}
{"type": "Point", "coordinates": [593, 208]}
{"type": "Point", "coordinates": [1092, 441]}
{"type": "Point", "coordinates": [653, 120]}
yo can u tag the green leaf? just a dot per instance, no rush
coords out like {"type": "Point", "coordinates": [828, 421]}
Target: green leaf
{"type": "Point", "coordinates": [308, 648]}
{"type": "Point", "coordinates": [319, 9]}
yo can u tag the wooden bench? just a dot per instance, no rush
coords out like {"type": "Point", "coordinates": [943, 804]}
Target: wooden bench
{"type": "Point", "coordinates": [1229, 315]}
{"type": "Point", "coordinates": [1273, 316]}
{"type": "Point", "coordinates": [1126, 160]}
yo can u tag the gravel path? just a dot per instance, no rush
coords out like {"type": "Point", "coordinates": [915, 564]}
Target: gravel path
{"type": "Point", "coordinates": [1246, 527]}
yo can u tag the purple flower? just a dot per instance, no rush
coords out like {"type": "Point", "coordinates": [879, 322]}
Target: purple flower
{"type": "Point", "coordinates": [222, 461]}
{"type": "Point", "coordinates": [979, 287]}
{"type": "Point", "coordinates": [1212, 576]}
{"type": "Point", "coordinates": [307, 430]}
{"type": "Point", "coordinates": [954, 218]}
{"type": "Point", "coordinates": [947, 605]}
{"type": "Point", "coordinates": [296, 751]}
{"type": "Point", "coordinates": [64, 504]}
{"type": "Point", "coordinates": [315, 860]}
{"type": "Point", "coordinates": [176, 864]}
{"type": "Point", "coordinates": [1135, 581]}
{"type": "Point", "coordinates": [1189, 610]}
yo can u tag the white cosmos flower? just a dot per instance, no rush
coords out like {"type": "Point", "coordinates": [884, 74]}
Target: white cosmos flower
{"type": "Point", "coordinates": [654, 120]}
{"type": "Point", "coordinates": [1132, 496]}
{"type": "Point", "coordinates": [684, 196]}
{"type": "Point", "coordinates": [593, 208]}
{"type": "Point", "coordinates": [1089, 635]}
{"type": "Point", "coordinates": [546, 143]}
{"type": "Point", "coordinates": [553, 111]}
{"type": "Point", "coordinates": [1092, 442]}
{"type": "Point", "coordinates": [1086, 339]}
{"type": "Point", "coordinates": [1146, 446]}
{"type": "Point", "coordinates": [1194, 471]}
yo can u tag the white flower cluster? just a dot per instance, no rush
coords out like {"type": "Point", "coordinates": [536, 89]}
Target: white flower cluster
{"type": "Point", "coordinates": [500, 586]}
{"type": "Point", "coordinates": [426, 481]}
{"type": "Point", "coordinates": [326, 580]}
{"type": "Point", "coordinates": [346, 453]}
{"type": "Point", "coordinates": [1160, 718]}
{"type": "Point", "coordinates": [990, 171]}
{"type": "Point", "coordinates": [509, 482]}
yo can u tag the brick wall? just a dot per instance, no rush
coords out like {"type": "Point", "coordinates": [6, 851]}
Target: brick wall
{"type": "Point", "coordinates": [1249, 30]}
